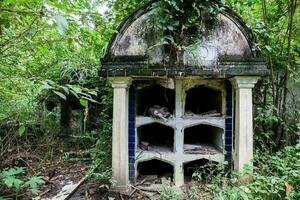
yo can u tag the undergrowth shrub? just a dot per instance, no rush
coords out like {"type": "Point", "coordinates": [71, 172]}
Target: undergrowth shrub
{"type": "Point", "coordinates": [275, 177]}
{"type": "Point", "coordinates": [100, 169]}
{"type": "Point", "coordinates": [14, 183]}
{"type": "Point", "coordinates": [169, 191]}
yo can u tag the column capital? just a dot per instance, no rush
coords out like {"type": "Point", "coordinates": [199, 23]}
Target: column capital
{"type": "Point", "coordinates": [244, 81]}
{"type": "Point", "coordinates": [120, 82]}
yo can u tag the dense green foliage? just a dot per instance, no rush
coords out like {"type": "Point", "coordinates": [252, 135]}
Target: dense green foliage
{"type": "Point", "coordinates": [14, 180]}
{"type": "Point", "coordinates": [50, 50]}
{"type": "Point", "coordinates": [179, 22]}
{"type": "Point", "coordinates": [276, 177]}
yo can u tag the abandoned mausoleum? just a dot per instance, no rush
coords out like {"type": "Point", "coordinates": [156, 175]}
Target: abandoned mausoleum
{"type": "Point", "coordinates": [175, 112]}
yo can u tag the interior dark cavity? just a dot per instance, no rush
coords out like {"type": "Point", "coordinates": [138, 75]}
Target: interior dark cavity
{"type": "Point", "coordinates": [203, 100]}
{"type": "Point", "coordinates": [204, 135]}
{"type": "Point", "coordinates": [203, 170]}
{"type": "Point", "coordinates": [154, 95]}
{"type": "Point", "coordinates": [155, 167]}
{"type": "Point", "coordinates": [154, 137]}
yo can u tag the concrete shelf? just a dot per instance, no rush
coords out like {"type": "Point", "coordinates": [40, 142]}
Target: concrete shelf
{"type": "Point", "coordinates": [167, 156]}
{"type": "Point", "coordinates": [174, 157]}
{"type": "Point", "coordinates": [219, 157]}
{"type": "Point", "coordinates": [197, 149]}
{"type": "Point", "coordinates": [196, 120]}
{"type": "Point", "coordinates": [144, 120]}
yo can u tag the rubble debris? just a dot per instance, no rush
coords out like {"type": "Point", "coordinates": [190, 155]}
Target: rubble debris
{"type": "Point", "coordinates": [68, 190]}
{"type": "Point", "coordinates": [200, 149]}
{"type": "Point", "coordinates": [159, 112]}
{"type": "Point", "coordinates": [154, 148]}
{"type": "Point", "coordinates": [211, 113]}
{"type": "Point", "coordinates": [139, 193]}
{"type": "Point", "coordinates": [144, 146]}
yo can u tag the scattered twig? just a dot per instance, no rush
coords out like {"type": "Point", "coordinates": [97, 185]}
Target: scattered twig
{"type": "Point", "coordinates": [121, 196]}
{"type": "Point", "coordinates": [68, 190]}
{"type": "Point", "coordinates": [42, 194]}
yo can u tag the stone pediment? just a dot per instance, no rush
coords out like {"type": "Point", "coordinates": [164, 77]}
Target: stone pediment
{"type": "Point", "coordinates": [226, 48]}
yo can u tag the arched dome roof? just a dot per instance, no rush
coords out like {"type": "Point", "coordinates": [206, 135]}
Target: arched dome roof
{"type": "Point", "coordinates": [136, 49]}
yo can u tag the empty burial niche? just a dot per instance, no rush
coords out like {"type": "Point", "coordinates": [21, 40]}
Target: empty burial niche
{"type": "Point", "coordinates": [155, 137]}
{"type": "Point", "coordinates": [202, 169]}
{"type": "Point", "coordinates": [203, 139]}
{"type": "Point", "coordinates": [154, 96]}
{"type": "Point", "coordinates": [203, 100]}
{"type": "Point", "coordinates": [154, 170]}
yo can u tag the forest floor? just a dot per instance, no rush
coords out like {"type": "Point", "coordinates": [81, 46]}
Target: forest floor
{"type": "Point", "coordinates": [59, 175]}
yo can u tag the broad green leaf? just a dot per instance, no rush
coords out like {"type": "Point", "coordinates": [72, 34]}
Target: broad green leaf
{"type": "Point", "coordinates": [84, 102]}
{"type": "Point", "coordinates": [89, 99]}
{"type": "Point", "coordinates": [12, 181]}
{"type": "Point", "coordinates": [65, 89]}
{"type": "Point", "coordinates": [61, 95]}
{"type": "Point", "coordinates": [46, 85]}
{"type": "Point", "coordinates": [21, 130]}
{"type": "Point", "coordinates": [93, 93]}
{"type": "Point", "coordinates": [12, 171]}
{"type": "Point", "coordinates": [268, 48]}
{"type": "Point", "coordinates": [33, 183]}
{"type": "Point", "coordinates": [74, 93]}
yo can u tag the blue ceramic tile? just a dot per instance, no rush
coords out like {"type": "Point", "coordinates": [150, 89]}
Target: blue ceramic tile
{"type": "Point", "coordinates": [228, 134]}
{"type": "Point", "coordinates": [132, 117]}
{"type": "Point", "coordinates": [131, 175]}
{"type": "Point", "coordinates": [228, 157]}
{"type": "Point", "coordinates": [228, 120]}
{"type": "Point", "coordinates": [131, 160]}
{"type": "Point", "coordinates": [131, 139]}
{"type": "Point", "coordinates": [228, 141]}
{"type": "Point", "coordinates": [228, 148]}
{"type": "Point", "coordinates": [131, 111]}
{"type": "Point", "coordinates": [229, 105]}
{"type": "Point", "coordinates": [131, 146]}
{"type": "Point", "coordinates": [228, 124]}
{"type": "Point", "coordinates": [131, 167]}
{"type": "Point", "coordinates": [131, 131]}
{"type": "Point", "coordinates": [229, 112]}
{"type": "Point", "coordinates": [131, 152]}
{"type": "Point", "coordinates": [228, 127]}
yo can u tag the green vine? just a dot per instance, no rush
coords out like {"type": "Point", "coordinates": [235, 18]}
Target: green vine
{"type": "Point", "coordinates": [181, 23]}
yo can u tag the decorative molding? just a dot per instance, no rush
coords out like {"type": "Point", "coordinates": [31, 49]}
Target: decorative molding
{"type": "Point", "coordinates": [244, 82]}
{"type": "Point", "coordinates": [120, 82]}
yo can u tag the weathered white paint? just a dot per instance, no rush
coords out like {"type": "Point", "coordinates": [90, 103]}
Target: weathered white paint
{"type": "Point", "coordinates": [179, 135]}
{"type": "Point", "coordinates": [180, 122]}
{"type": "Point", "coordinates": [243, 150]}
{"type": "Point", "coordinates": [141, 37]}
{"type": "Point", "coordinates": [120, 131]}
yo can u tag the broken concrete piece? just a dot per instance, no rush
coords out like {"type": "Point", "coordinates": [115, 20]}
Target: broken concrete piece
{"type": "Point", "coordinates": [144, 146]}
{"type": "Point", "coordinates": [199, 149]}
{"type": "Point", "coordinates": [211, 113]}
{"type": "Point", "coordinates": [68, 190]}
{"type": "Point", "coordinates": [159, 112]}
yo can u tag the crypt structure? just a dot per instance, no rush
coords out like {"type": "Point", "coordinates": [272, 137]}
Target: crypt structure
{"type": "Point", "coordinates": [167, 119]}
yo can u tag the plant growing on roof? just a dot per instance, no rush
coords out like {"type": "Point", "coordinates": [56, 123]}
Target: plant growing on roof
{"type": "Point", "coordinates": [180, 22]}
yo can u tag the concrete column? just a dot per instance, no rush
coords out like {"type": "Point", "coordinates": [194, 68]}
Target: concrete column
{"type": "Point", "coordinates": [178, 136]}
{"type": "Point", "coordinates": [243, 149]}
{"type": "Point", "coordinates": [120, 166]}
{"type": "Point", "coordinates": [178, 174]}
{"type": "Point", "coordinates": [178, 98]}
